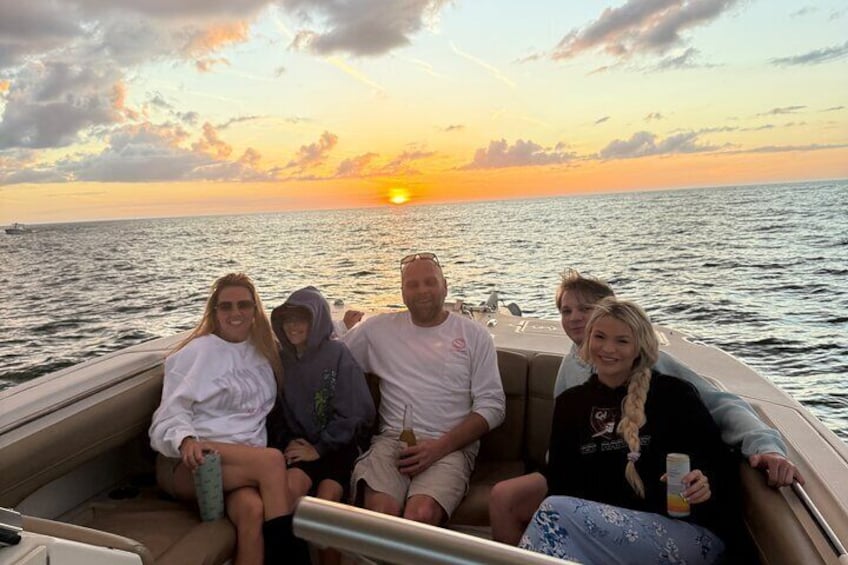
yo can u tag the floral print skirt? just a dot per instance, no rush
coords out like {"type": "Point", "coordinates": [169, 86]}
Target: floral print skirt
{"type": "Point", "coordinates": [591, 532]}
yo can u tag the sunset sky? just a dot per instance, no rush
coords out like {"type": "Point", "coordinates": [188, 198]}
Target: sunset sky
{"type": "Point", "coordinates": [143, 108]}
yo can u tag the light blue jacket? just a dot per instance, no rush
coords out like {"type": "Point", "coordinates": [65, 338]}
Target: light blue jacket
{"type": "Point", "coordinates": [740, 427]}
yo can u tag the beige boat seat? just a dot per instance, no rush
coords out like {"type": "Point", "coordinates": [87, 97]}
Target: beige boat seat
{"type": "Point", "coordinates": [113, 423]}
{"type": "Point", "coordinates": [109, 426]}
{"type": "Point", "coordinates": [169, 530]}
{"type": "Point", "coordinates": [161, 532]}
{"type": "Point", "coordinates": [88, 536]}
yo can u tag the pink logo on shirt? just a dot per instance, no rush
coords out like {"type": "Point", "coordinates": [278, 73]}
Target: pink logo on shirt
{"type": "Point", "coordinates": [458, 344]}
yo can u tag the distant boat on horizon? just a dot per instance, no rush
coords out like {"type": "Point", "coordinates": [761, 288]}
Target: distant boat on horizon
{"type": "Point", "coordinates": [17, 229]}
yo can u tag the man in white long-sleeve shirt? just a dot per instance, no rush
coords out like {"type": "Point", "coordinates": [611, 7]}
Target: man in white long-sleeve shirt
{"type": "Point", "coordinates": [442, 365]}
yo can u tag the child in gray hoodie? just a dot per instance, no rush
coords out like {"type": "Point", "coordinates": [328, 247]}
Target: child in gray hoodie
{"type": "Point", "coordinates": [325, 410]}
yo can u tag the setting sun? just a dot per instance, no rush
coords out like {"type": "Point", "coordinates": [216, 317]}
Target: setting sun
{"type": "Point", "coordinates": [398, 196]}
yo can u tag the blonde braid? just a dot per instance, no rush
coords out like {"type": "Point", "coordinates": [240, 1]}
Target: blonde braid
{"type": "Point", "coordinates": [633, 418]}
{"type": "Point", "coordinates": [633, 405]}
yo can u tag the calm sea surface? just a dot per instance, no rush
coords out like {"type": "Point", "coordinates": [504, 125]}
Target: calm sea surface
{"type": "Point", "coordinates": [760, 271]}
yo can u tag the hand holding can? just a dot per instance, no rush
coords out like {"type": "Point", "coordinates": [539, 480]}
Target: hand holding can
{"type": "Point", "coordinates": [676, 467]}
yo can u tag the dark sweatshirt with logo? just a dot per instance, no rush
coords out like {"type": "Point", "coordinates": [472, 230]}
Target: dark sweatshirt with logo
{"type": "Point", "coordinates": [588, 457]}
{"type": "Point", "coordinates": [325, 398]}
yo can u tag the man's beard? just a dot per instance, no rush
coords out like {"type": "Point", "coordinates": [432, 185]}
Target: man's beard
{"type": "Point", "coordinates": [425, 313]}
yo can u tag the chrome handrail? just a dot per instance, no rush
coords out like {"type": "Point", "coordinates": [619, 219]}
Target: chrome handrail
{"type": "Point", "coordinates": [389, 539]}
{"type": "Point", "coordinates": [819, 519]}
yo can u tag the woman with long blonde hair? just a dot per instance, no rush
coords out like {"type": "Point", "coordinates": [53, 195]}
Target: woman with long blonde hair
{"type": "Point", "coordinates": [261, 333]}
{"type": "Point", "coordinates": [610, 437]}
{"type": "Point", "coordinates": [220, 384]}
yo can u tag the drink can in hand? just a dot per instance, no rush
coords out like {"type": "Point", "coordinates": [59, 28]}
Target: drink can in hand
{"type": "Point", "coordinates": [676, 467]}
{"type": "Point", "coordinates": [209, 487]}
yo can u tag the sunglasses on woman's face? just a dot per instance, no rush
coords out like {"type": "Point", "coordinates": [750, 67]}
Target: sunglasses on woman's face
{"type": "Point", "coordinates": [242, 305]}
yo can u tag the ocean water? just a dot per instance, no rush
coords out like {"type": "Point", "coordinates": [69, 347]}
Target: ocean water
{"type": "Point", "coordinates": [760, 271]}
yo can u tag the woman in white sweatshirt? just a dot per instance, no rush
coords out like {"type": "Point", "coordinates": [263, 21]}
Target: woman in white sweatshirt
{"type": "Point", "coordinates": [220, 384]}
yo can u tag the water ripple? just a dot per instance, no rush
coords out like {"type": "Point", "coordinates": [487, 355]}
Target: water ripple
{"type": "Point", "coordinates": [759, 271]}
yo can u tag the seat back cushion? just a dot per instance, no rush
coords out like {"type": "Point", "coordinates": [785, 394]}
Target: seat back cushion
{"type": "Point", "coordinates": [540, 406]}
{"type": "Point", "coordinates": [506, 441]}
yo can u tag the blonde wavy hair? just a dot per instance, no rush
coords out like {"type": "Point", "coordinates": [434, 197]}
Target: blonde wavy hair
{"type": "Point", "coordinates": [633, 406]}
{"type": "Point", "coordinates": [261, 334]}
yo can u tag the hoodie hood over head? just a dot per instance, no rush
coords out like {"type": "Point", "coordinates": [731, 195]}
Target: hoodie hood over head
{"type": "Point", "coordinates": [320, 325]}
{"type": "Point", "coordinates": [325, 398]}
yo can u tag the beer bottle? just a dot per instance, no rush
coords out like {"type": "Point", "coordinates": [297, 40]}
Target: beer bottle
{"type": "Point", "coordinates": [407, 434]}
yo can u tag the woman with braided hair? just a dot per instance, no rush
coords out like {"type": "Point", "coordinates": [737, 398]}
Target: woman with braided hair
{"type": "Point", "coordinates": [609, 440]}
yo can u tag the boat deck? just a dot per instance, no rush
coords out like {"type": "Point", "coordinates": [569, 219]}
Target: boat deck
{"type": "Point", "coordinates": [69, 437]}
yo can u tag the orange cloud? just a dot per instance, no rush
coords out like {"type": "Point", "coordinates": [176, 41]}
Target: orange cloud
{"type": "Point", "coordinates": [205, 65]}
{"type": "Point", "coordinates": [119, 99]}
{"type": "Point", "coordinates": [355, 166]}
{"type": "Point", "coordinates": [211, 144]}
{"type": "Point", "coordinates": [316, 153]}
{"type": "Point", "coordinates": [5, 85]}
{"type": "Point", "coordinates": [215, 37]}
{"type": "Point", "coordinates": [251, 158]}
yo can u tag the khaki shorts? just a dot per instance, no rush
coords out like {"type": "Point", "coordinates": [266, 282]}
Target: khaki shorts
{"type": "Point", "coordinates": [165, 468]}
{"type": "Point", "coordinates": [446, 480]}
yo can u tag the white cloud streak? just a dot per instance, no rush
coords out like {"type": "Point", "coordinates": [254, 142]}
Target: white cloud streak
{"type": "Point", "coordinates": [491, 69]}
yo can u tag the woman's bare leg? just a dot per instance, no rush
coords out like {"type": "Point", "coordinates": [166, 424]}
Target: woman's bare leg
{"type": "Point", "coordinates": [246, 511]}
{"type": "Point", "coordinates": [512, 504]}
{"type": "Point", "coordinates": [245, 466]}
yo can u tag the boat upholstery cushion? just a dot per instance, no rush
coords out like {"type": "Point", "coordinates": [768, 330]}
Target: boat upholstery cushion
{"type": "Point", "coordinates": [779, 537]}
{"type": "Point", "coordinates": [171, 531]}
{"type": "Point", "coordinates": [506, 442]}
{"type": "Point", "coordinates": [68, 437]}
{"type": "Point", "coordinates": [111, 421]}
{"type": "Point", "coordinates": [540, 407]}
{"type": "Point", "coordinates": [88, 536]}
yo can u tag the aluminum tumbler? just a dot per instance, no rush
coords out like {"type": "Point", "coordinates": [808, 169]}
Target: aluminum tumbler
{"type": "Point", "coordinates": [209, 487]}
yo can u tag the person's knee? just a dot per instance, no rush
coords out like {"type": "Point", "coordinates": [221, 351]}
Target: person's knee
{"type": "Point", "coordinates": [299, 482]}
{"type": "Point", "coordinates": [424, 510]}
{"type": "Point", "coordinates": [381, 502]}
{"type": "Point", "coordinates": [330, 490]}
{"type": "Point", "coordinates": [273, 461]}
{"type": "Point", "coordinates": [520, 491]}
{"type": "Point", "coordinates": [501, 495]}
{"type": "Point", "coordinates": [246, 509]}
